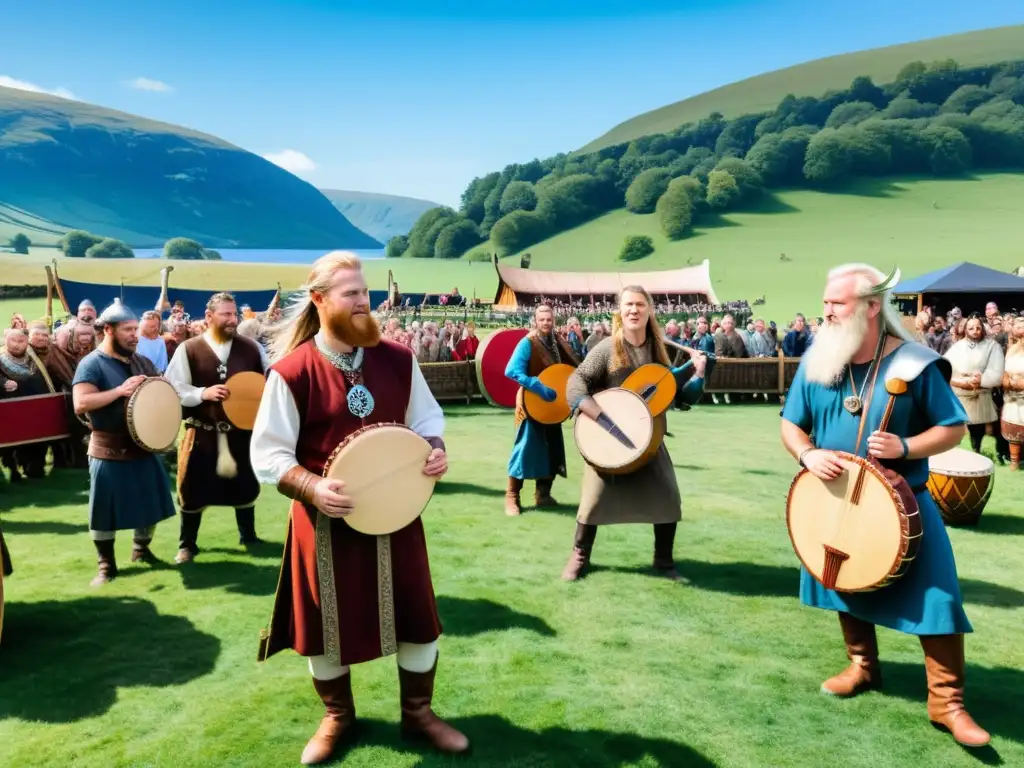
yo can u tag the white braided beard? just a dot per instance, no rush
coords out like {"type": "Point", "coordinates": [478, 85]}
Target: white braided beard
{"type": "Point", "coordinates": [834, 346]}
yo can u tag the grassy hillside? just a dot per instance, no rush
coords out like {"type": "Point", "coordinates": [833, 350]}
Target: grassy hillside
{"type": "Point", "coordinates": [69, 165]}
{"type": "Point", "coordinates": [380, 216]}
{"type": "Point", "coordinates": [813, 78]}
{"type": "Point", "coordinates": [918, 224]}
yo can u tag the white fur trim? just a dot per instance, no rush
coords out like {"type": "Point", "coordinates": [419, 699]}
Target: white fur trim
{"type": "Point", "coordinates": [226, 466]}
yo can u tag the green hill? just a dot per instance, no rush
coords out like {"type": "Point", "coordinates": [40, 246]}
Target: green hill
{"type": "Point", "coordinates": [918, 224]}
{"type": "Point", "coordinates": [763, 92]}
{"type": "Point", "coordinates": [380, 216]}
{"type": "Point", "coordinates": [69, 165]}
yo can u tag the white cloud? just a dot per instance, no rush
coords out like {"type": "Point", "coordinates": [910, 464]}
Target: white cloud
{"type": "Point", "coordinates": [146, 84]}
{"type": "Point", "coordinates": [10, 82]}
{"type": "Point", "coordinates": [291, 160]}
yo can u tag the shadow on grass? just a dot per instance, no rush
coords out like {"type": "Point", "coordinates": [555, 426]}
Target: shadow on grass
{"type": "Point", "coordinates": [448, 487]}
{"type": "Point", "coordinates": [992, 696]}
{"type": "Point", "coordinates": [691, 467]}
{"type": "Point", "coordinates": [239, 578]}
{"type": "Point", "coordinates": [1004, 524]}
{"type": "Point", "coordinates": [744, 579]}
{"type": "Point", "coordinates": [464, 617]}
{"type": "Point", "coordinates": [23, 527]}
{"type": "Point", "coordinates": [65, 661]}
{"type": "Point", "coordinates": [67, 489]}
{"type": "Point", "coordinates": [498, 742]}
{"type": "Point", "coordinates": [995, 595]}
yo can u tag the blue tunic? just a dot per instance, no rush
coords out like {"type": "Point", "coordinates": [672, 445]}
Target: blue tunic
{"type": "Point", "coordinates": [123, 495]}
{"type": "Point", "coordinates": [926, 600]}
{"type": "Point", "coordinates": [539, 449]}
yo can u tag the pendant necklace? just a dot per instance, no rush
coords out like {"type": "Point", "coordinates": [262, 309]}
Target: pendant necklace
{"type": "Point", "coordinates": [855, 402]}
{"type": "Point", "coordinates": [359, 400]}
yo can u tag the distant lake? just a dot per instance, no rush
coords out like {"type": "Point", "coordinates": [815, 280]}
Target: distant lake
{"type": "Point", "coordinates": [265, 255]}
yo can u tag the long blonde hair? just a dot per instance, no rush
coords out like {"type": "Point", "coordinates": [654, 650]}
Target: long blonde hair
{"type": "Point", "coordinates": [301, 320]}
{"type": "Point", "coordinates": [620, 358]}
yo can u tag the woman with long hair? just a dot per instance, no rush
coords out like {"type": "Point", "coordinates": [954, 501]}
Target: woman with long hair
{"type": "Point", "coordinates": [650, 494]}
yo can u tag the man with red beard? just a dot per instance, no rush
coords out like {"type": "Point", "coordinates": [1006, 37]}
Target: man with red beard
{"type": "Point", "coordinates": [841, 380]}
{"type": "Point", "coordinates": [214, 469]}
{"type": "Point", "coordinates": [356, 597]}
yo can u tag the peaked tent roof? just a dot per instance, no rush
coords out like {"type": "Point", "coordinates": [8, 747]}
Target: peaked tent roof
{"type": "Point", "coordinates": [962, 278]}
{"type": "Point", "coordinates": [694, 280]}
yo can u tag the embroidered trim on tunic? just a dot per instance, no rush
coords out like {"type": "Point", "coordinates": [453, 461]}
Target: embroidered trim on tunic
{"type": "Point", "coordinates": [328, 591]}
{"type": "Point", "coordinates": [386, 597]}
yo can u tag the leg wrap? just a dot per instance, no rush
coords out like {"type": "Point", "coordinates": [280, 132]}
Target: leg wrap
{"type": "Point", "coordinates": [322, 669]}
{"type": "Point", "coordinates": [413, 657]}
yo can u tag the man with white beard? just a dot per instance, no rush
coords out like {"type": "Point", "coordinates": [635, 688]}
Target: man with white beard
{"type": "Point", "coordinates": [978, 364]}
{"type": "Point", "coordinates": [862, 341]}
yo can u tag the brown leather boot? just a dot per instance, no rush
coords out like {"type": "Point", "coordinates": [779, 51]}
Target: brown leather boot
{"type": "Point", "coordinates": [582, 545]}
{"type": "Point", "coordinates": [944, 661]}
{"type": "Point", "coordinates": [542, 493]}
{"type": "Point", "coordinates": [419, 720]}
{"type": "Point", "coordinates": [512, 505]}
{"type": "Point", "coordinates": [142, 553]}
{"type": "Point", "coordinates": [864, 672]}
{"type": "Point", "coordinates": [107, 563]}
{"type": "Point", "coordinates": [664, 563]}
{"type": "Point", "coordinates": [338, 721]}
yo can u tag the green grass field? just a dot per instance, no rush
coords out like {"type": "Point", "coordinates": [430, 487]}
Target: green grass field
{"type": "Point", "coordinates": [620, 669]}
{"type": "Point", "coordinates": [918, 224]}
{"type": "Point", "coordinates": [814, 78]}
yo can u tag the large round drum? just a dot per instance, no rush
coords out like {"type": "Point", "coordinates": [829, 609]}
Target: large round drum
{"type": "Point", "coordinates": [961, 482]}
{"type": "Point", "coordinates": [606, 452]}
{"type": "Point", "coordinates": [245, 390]}
{"type": "Point", "coordinates": [491, 359]}
{"type": "Point", "coordinates": [382, 468]}
{"type": "Point", "coordinates": [153, 413]}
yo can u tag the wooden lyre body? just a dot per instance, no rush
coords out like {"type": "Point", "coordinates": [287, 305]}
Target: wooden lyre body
{"type": "Point", "coordinates": [537, 408]}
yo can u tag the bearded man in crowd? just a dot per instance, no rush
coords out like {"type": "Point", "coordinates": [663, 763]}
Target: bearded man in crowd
{"type": "Point", "coordinates": [978, 365]}
{"type": "Point", "coordinates": [840, 381]}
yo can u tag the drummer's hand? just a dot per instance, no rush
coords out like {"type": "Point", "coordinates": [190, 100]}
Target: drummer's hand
{"type": "Point", "coordinates": [437, 463]}
{"type": "Point", "coordinates": [824, 465]}
{"type": "Point", "coordinates": [976, 379]}
{"type": "Point", "coordinates": [10, 385]}
{"type": "Point", "coordinates": [885, 445]}
{"type": "Point", "coordinates": [329, 499]}
{"type": "Point", "coordinates": [549, 395]}
{"type": "Point", "coordinates": [700, 363]}
{"type": "Point", "coordinates": [130, 385]}
{"type": "Point", "coordinates": [216, 393]}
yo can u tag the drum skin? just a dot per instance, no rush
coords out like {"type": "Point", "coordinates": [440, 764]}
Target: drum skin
{"type": "Point", "coordinates": [245, 390]}
{"type": "Point", "coordinates": [153, 413]}
{"type": "Point", "coordinates": [491, 359]}
{"type": "Point", "coordinates": [382, 468]}
{"type": "Point", "coordinates": [603, 451]}
{"type": "Point", "coordinates": [653, 374]}
{"type": "Point", "coordinates": [537, 408]}
{"type": "Point", "coordinates": [882, 534]}
{"type": "Point", "coordinates": [960, 482]}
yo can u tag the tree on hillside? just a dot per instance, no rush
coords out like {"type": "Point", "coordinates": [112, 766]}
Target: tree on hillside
{"type": "Point", "coordinates": [951, 152]}
{"type": "Point", "coordinates": [396, 246]}
{"type": "Point", "coordinates": [863, 89]}
{"type": "Point", "coordinates": [472, 204]}
{"type": "Point", "coordinates": [738, 136]}
{"type": "Point", "coordinates": [642, 195]}
{"type": "Point", "coordinates": [455, 239]}
{"type": "Point", "coordinates": [723, 191]}
{"type": "Point", "coordinates": [748, 180]}
{"type": "Point", "coordinates": [424, 233]}
{"type": "Point", "coordinates": [518, 196]}
{"type": "Point", "coordinates": [75, 243]}
{"type": "Point", "coordinates": [850, 113]}
{"type": "Point", "coordinates": [835, 154]}
{"type": "Point", "coordinates": [20, 243]}
{"type": "Point", "coordinates": [518, 230]}
{"type": "Point", "coordinates": [211, 255]}
{"type": "Point", "coordinates": [183, 248]}
{"type": "Point", "coordinates": [904, 106]}
{"type": "Point", "coordinates": [779, 157]}
{"type": "Point", "coordinates": [636, 247]}
{"type": "Point", "coordinates": [675, 208]}
{"type": "Point", "coordinates": [966, 99]}
{"type": "Point", "coordinates": [109, 248]}
{"type": "Point", "coordinates": [573, 200]}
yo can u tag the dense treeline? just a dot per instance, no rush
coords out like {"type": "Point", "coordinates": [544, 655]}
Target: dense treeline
{"type": "Point", "coordinates": [937, 118]}
{"type": "Point", "coordinates": [78, 244]}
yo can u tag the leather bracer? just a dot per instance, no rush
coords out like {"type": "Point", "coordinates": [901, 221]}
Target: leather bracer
{"type": "Point", "coordinates": [436, 442]}
{"type": "Point", "coordinates": [298, 483]}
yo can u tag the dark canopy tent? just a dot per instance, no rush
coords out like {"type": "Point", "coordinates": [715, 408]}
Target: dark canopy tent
{"type": "Point", "coordinates": [967, 286]}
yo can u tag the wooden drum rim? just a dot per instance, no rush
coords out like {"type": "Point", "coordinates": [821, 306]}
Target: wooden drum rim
{"type": "Point", "coordinates": [643, 456]}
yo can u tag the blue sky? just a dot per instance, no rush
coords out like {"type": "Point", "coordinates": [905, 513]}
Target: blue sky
{"type": "Point", "coordinates": [416, 98]}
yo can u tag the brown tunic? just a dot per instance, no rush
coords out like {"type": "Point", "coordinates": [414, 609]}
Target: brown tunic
{"type": "Point", "coordinates": [648, 495]}
{"type": "Point", "coordinates": [199, 485]}
{"type": "Point", "coordinates": [343, 594]}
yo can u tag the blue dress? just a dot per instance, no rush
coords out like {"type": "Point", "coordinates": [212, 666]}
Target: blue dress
{"type": "Point", "coordinates": [539, 449]}
{"type": "Point", "coordinates": [123, 495]}
{"type": "Point", "coordinates": [926, 600]}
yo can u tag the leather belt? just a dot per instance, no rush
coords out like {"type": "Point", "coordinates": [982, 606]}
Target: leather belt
{"type": "Point", "coordinates": [114, 446]}
{"type": "Point", "coordinates": [218, 426]}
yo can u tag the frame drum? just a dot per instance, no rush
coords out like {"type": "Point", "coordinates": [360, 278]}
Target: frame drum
{"type": "Point", "coordinates": [154, 415]}
{"type": "Point", "coordinates": [382, 468]}
{"type": "Point", "coordinates": [960, 482]}
{"type": "Point", "coordinates": [491, 358]}
{"type": "Point", "coordinates": [630, 413]}
{"type": "Point", "coordinates": [245, 390]}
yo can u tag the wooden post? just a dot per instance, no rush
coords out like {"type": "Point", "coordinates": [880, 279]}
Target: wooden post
{"type": "Point", "coordinates": [49, 298]}
{"type": "Point", "coordinates": [782, 373]}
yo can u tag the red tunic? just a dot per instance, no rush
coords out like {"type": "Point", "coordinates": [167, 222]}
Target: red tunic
{"type": "Point", "coordinates": [361, 623]}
